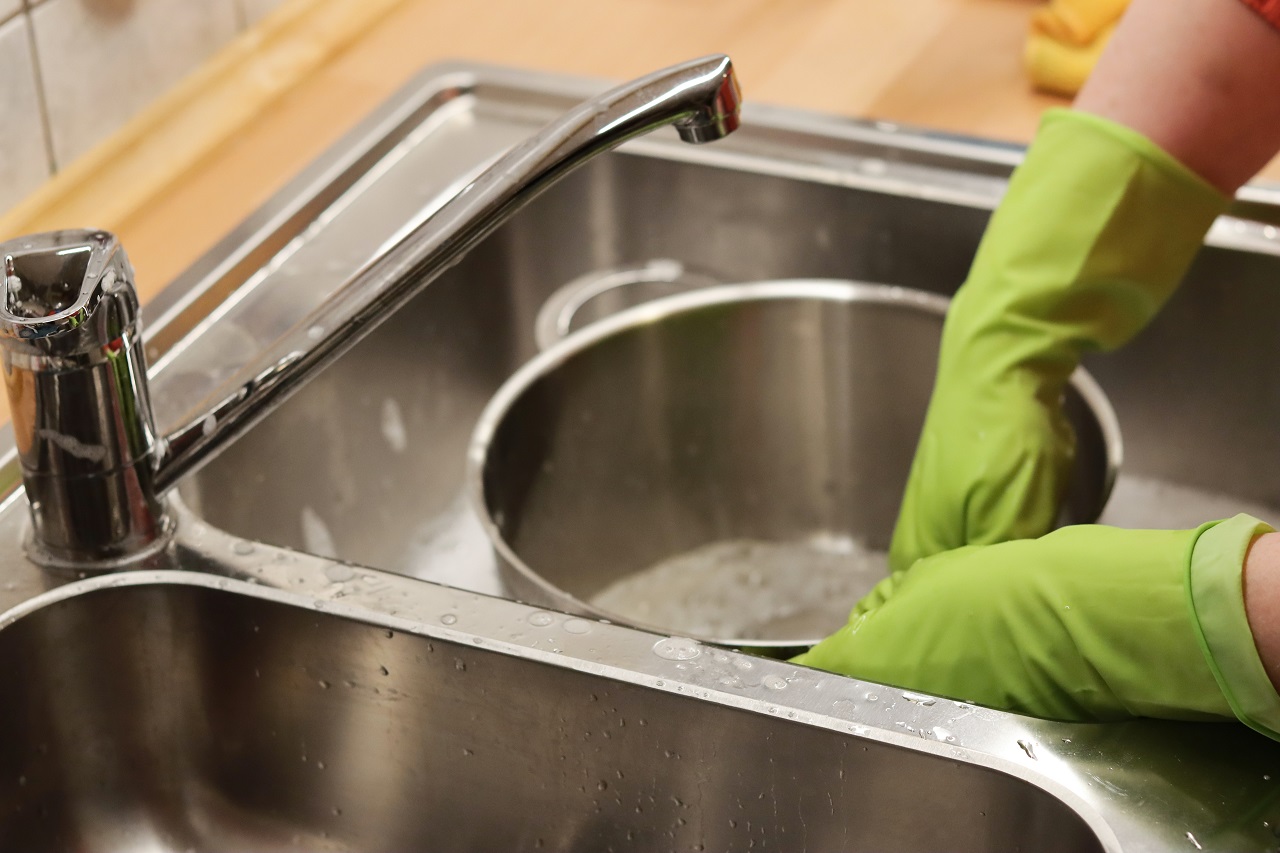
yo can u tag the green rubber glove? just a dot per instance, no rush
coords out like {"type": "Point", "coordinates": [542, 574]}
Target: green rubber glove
{"type": "Point", "coordinates": [1085, 623]}
{"type": "Point", "coordinates": [1097, 229]}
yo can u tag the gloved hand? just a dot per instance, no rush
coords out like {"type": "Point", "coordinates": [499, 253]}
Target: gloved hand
{"type": "Point", "coordinates": [1096, 231]}
{"type": "Point", "coordinates": [1086, 623]}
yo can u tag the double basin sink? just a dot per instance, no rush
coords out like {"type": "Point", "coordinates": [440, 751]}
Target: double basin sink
{"type": "Point", "coordinates": [328, 659]}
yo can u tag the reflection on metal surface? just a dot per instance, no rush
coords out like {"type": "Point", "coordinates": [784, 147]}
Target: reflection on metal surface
{"type": "Point", "coordinates": [77, 385]}
{"type": "Point", "coordinates": [185, 714]}
{"type": "Point", "coordinates": [700, 98]}
{"type": "Point", "coordinates": [779, 412]}
{"type": "Point", "coordinates": [146, 713]}
{"type": "Point", "coordinates": [600, 293]}
{"type": "Point", "coordinates": [61, 285]}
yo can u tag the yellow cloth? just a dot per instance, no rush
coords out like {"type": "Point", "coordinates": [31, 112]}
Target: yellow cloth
{"type": "Point", "coordinates": [1066, 39]}
{"type": "Point", "coordinates": [1078, 22]}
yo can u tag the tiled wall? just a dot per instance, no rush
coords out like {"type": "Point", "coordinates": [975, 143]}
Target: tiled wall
{"type": "Point", "coordinates": [73, 71]}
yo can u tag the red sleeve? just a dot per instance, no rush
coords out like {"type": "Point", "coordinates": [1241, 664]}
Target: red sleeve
{"type": "Point", "coordinates": [1269, 9]}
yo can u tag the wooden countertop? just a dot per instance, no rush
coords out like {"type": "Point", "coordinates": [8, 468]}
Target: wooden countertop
{"type": "Point", "coordinates": [182, 175]}
{"type": "Point", "coordinates": [949, 64]}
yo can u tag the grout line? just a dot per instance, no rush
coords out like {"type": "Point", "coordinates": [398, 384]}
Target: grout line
{"type": "Point", "coordinates": [174, 133]}
{"type": "Point", "coordinates": [45, 123]}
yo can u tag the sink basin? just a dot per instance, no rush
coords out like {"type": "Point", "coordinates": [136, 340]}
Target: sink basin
{"type": "Point", "coordinates": [280, 678]}
{"type": "Point", "coordinates": [366, 463]}
{"type": "Point", "coordinates": [177, 716]}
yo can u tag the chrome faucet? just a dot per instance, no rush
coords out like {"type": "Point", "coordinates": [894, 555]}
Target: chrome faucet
{"type": "Point", "coordinates": [77, 384]}
{"type": "Point", "coordinates": [93, 466]}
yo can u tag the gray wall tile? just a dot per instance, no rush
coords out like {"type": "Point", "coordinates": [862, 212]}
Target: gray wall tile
{"type": "Point", "coordinates": [24, 159]}
{"type": "Point", "coordinates": [102, 61]}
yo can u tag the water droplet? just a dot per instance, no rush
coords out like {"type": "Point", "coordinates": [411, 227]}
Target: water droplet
{"type": "Point", "coordinates": [315, 333]}
{"type": "Point", "coordinates": [871, 697]}
{"type": "Point", "coordinates": [542, 619]}
{"type": "Point", "coordinates": [337, 812]}
{"type": "Point", "coordinates": [1029, 748]}
{"type": "Point", "coordinates": [918, 699]}
{"type": "Point", "coordinates": [244, 549]}
{"type": "Point", "coordinates": [577, 626]}
{"type": "Point", "coordinates": [319, 765]}
{"type": "Point", "coordinates": [774, 682]}
{"type": "Point", "coordinates": [602, 785]}
{"type": "Point", "coordinates": [384, 670]}
{"type": "Point", "coordinates": [1266, 777]}
{"type": "Point", "coordinates": [942, 734]}
{"type": "Point", "coordinates": [324, 685]}
{"type": "Point", "coordinates": [677, 648]}
{"type": "Point", "coordinates": [459, 664]}
{"type": "Point", "coordinates": [339, 572]}
{"type": "Point", "coordinates": [1192, 839]}
{"type": "Point", "coordinates": [449, 619]}
{"type": "Point", "coordinates": [843, 706]}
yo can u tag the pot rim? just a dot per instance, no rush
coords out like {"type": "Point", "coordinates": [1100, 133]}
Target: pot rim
{"type": "Point", "coordinates": [662, 308]}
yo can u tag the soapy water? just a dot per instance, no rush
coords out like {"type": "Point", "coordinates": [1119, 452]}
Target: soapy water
{"type": "Point", "coordinates": [743, 589]}
{"type": "Point", "coordinates": [1147, 503]}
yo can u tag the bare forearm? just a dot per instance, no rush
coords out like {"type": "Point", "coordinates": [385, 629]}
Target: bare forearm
{"type": "Point", "coordinates": [1200, 78]}
{"type": "Point", "coordinates": [1262, 600]}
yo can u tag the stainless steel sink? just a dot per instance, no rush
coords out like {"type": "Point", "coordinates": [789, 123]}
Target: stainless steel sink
{"type": "Point", "coordinates": [176, 716]}
{"type": "Point", "coordinates": [173, 711]}
{"type": "Point", "coordinates": [367, 462]}
{"type": "Point", "coordinates": [285, 680]}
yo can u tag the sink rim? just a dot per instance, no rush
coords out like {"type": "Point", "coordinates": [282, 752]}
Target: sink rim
{"type": "Point", "coordinates": [666, 675]}
{"type": "Point", "coordinates": [203, 556]}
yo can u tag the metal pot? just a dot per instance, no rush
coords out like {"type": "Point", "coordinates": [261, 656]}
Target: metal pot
{"type": "Point", "coordinates": [740, 436]}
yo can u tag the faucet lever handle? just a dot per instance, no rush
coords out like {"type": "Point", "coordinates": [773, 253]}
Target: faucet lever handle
{"type": "Point", "coordinates": [71, 348]}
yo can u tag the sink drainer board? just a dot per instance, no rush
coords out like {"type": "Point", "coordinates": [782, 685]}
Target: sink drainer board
{"type": "Point", "coordinates": [134, 715]}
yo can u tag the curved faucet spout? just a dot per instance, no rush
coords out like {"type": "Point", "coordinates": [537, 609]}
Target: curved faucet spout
{"type": "Point", "coordinates": [78, 524]}
{"type": "Point", "coordinates": [700, 98]}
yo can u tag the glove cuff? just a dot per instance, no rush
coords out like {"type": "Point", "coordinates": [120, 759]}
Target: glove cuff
{"type": "Point", "coordinates": [1193, 190]}
{"type": "Point", "coordinates": [1215, 590]}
